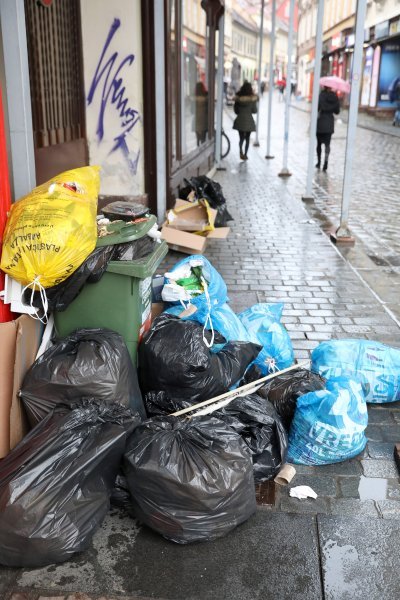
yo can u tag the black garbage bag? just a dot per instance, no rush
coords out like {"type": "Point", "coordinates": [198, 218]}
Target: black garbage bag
{"type": "Point", "coordinates": [284, 390]}
{"type": "Point", "coordinates": [192, 480]}
{"type": "Point", "coordinates": [211, 190]}
{"type": "Point", "coordinates": [159, 403]}
{"type": "Point", "coordinates": [87, 363]}
{"type": "Point", "coordinates": [60, 296]}
{"type": "Point", "coordinates": [134, 250]}
{"type": "Point", "coordinates": [55, 485]}
{"type": "Point", "coordinates": [121, 496]}
{"type": "Point", "coordinates": [260, 426]}
{"type": "Point", "coordinates": [174, 358]}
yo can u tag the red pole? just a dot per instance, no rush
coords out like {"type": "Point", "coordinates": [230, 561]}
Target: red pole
{"type": "Point", "coordinates": [5, 203]}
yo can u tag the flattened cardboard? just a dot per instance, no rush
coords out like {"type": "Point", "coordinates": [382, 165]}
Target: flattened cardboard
{"type": "Point", "coordinates": [182, 241]}
{"type": "Point", "coordinates": [156, 309]}
{"type": "Point", "coordinates": [28, 338]}
{"type": "Point", "coordinates": [8, 336]}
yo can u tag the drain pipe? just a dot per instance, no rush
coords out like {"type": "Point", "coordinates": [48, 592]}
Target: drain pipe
{"type": "Point", "coordinates": [220, 93]}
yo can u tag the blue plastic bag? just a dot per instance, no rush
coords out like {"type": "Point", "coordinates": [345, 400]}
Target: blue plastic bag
{"type": "Point", "coordinates": [374, 365]}
{"type": "Point", "coordinates": [329, 425]}
{"type": "Point", "coordinates": [223, 319]}
{"type": "Point", "coordinates": [263, 326]}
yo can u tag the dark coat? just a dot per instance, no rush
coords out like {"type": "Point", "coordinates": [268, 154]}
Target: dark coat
{"type": "Point", "coordinates": [244, 107]}
{"type": "Point", "coordinates": [328, 105]}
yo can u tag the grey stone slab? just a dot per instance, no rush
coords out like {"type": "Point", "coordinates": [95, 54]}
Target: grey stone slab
{"type": "Point", "coordinates": [322, 485]}
{"type": "Point", "coordinates": [389, 509]}
{"type": "Point", "coordinates": [307, 506]}
{"type": "Point", "coordinates": [379, 468]}
{"type": "Point", "coordinates": [360, 558]}
{"type": "Point", "coordinates": [378, 416]}
{"type": "Point", "coordinates": [126, 560]}
{"type": "Point", "coordinates": [382, 450]}
{"type": "Point", "coordinates": [352, 506]}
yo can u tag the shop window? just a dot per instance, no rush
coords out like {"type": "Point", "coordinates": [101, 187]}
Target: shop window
{"type": "Point", "coordinates": [195, 103]}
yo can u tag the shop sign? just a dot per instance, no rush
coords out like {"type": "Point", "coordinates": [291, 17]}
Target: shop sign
{"type": "Point", "coordinates": [389, 70]}
{"type": "Point", "coordinates": [382, 30]}
{"type": "Point", "coordinates": [394, 28]}
{"type": "Point", "coordinates": [375, 75]}
{"type": "Point", "coordinates": [336, 41]}
{"type": "Point", "coordinates": [367, 76]}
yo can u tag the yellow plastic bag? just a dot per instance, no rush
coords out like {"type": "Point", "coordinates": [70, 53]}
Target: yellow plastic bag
{"type": "Point", "coordinates": [52, 230]}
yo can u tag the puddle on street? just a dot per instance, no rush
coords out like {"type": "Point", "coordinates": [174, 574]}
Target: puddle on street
{"type": "Point", "coordinates": [372, 488]}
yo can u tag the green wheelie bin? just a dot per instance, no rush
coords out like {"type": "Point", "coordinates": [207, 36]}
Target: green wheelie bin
{"type": "Point", "coordinates": [121, 300]}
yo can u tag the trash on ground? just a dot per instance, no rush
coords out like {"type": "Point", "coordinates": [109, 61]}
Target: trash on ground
{"type": "Point", "coordinates": [196, 216]}
{"type": "Point", "coordinates": [284, 390]}
{"type": "Point", "coordinates": [58, 220]}
{"type": "Point", "coordinates": [375, 365]}
{"type": "Point", "coordinates": [126, 210]}
{"type": "Point", "coordinates": [302, 492]}
{"type": "Point", "coordinates": [55, 485]}
{"type": "Point", "coordinates": [262, 322]}
{"type": "Point", "coordinates": [121, 496]}
{"type": "Point", "coordinates": [88, 363]}
{"type": "Point", "coordinates": [329, 425]}
{"type": "Point", "coordinates": [174, 357]}
{"type": "Point", "coordinates": [189, 226]}
{"type": "Point", "coordinates": [259, 324]}
{"type": "Point", "coordinates": [191, 480]}
{"type": "Point", "coordinates": [204, 187]}
{"type": "Point", "coordinates": [261, 428]}
{"type": "Point", "coordinates": [285, 475]}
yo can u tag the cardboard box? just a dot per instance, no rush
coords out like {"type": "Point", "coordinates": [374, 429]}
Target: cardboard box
{"type": "Point", "coordinates": [20, 341]}
{"type": "Point", "coordinates": [191, 216]}
{"type": "Point", "coordinates": [190, 243]}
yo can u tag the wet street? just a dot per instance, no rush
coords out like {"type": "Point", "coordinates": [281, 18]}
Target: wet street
{"type": "Point", "coordinates": [343, 545]}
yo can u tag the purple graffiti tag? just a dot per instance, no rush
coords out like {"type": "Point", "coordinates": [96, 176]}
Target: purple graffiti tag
{"type": "Point", "coordinates": [108, 79]}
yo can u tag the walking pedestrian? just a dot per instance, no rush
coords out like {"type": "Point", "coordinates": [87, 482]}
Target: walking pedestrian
{"type": "Point", "coordinates": [328, 105]}
{"type": "Point", "coordinates": [246, 104]}
{"type": "Point", "coordinates": [281, 83]}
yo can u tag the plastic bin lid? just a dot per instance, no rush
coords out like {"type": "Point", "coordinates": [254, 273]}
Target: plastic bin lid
{"type": "Point", "coordinates": [121, 232]}
{"type": "Point", "coordinates": [125, 210]}
{"type": "Point", "coordinates": [141, 267]}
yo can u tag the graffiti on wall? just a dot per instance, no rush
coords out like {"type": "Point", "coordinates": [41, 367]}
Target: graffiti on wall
{"type": "Point", "coordinates": [108, 86]}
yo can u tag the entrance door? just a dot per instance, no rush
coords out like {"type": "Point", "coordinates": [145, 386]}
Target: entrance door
{"type": "Point", "coordinates": [56, 80]}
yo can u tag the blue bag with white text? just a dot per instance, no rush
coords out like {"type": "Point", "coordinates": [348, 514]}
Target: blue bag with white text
{"type": "Point", "coordinates": [329, 425]}
{"type": "Point", "coordinates": [374, 365]}
{"type": "Point", "coordinates": [263, 326]}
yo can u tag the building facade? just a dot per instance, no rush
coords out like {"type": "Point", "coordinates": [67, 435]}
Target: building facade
{"type": "Point", "coordinates": [129, 86]}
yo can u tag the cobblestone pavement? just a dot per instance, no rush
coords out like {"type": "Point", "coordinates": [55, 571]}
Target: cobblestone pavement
{"type": "Point", "coordinates": [374, 211]}
{"type": "Point", "coordinates": [342, 545]}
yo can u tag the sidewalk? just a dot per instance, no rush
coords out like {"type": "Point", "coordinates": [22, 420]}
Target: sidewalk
{"type": "Point", "coordinates": [339, 546]}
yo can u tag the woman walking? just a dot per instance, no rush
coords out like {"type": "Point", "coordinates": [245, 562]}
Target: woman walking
{"type": "Point", "coordinates": [245, 106]}
{"type": "Point", "coordinates": [328, 105]}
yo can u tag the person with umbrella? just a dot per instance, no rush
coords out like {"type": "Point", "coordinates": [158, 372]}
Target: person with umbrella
{"type": "Point", "coordinates": [328, 105]}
